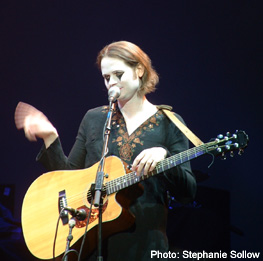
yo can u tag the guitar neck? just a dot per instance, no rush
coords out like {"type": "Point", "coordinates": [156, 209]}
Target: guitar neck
{"type": "Point", "coordinates": [131, 178]}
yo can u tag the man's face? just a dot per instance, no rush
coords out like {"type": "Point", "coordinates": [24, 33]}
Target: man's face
{"type": "Point", "coordinates": [117, 73]}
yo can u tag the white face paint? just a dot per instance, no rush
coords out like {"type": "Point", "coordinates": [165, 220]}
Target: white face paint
{"type": "Point", "coordinates": [117, 73]}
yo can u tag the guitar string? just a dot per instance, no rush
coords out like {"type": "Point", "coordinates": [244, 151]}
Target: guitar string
{"type": "Point", "coordinates": [119, 182]}
{"type": "Point", "coordinates": [131, 178]}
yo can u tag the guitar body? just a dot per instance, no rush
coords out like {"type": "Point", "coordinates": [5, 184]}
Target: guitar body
{"type": "Point", "coordinates": [40, 210]}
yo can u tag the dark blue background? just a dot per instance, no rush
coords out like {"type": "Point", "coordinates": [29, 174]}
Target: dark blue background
{"type": "Point", "coordinates": [209, 58]}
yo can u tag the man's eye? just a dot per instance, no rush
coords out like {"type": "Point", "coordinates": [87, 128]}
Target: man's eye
{"type": "Point", "coordinates": [107, 78]}
{"type": "Point", "coordinates": [119, 75]}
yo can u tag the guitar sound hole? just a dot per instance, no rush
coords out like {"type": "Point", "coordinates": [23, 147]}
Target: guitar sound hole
{"type": "Point", "coordinates": [95, 211]}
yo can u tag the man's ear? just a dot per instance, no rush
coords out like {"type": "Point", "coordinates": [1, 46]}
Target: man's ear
{"type": "Point", "coordinates": [140, 70]}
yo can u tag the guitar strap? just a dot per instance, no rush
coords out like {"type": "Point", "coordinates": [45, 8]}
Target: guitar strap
{"type": "Point", "coordinates": [182, 127]}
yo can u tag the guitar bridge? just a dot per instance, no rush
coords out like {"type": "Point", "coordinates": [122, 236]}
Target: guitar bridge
{"type": "Point", "coordinates": [62, 202]}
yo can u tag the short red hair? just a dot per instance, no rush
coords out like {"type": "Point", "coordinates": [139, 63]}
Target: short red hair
{"type": "Point", "coordinates": [132, 55]}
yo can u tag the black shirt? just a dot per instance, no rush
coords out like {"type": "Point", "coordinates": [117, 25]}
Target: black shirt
{"type": "Point", "coordinates": [150, 209]}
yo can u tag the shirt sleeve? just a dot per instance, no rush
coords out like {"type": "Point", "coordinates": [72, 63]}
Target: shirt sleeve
{"type": "Point", "coordinates": [54, 158]}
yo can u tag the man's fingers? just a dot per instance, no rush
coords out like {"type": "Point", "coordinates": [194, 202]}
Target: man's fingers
{"type": "Point", "coordinates": [142, 163]}
{"type": "Point", "coordinates": [147, 160]}
{"type": "Point", "coordinates": [138, 160]}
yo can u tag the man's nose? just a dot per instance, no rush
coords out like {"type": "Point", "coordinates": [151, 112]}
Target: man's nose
{"type": "Point", "coordinates": [113, 81]}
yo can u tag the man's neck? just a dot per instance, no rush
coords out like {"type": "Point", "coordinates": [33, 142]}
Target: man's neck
{"type": "Point", "coordinates": [134, 106]}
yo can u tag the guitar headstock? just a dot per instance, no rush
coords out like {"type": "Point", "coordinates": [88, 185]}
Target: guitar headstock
{"type": "Point", "coordinates": [229, 143]}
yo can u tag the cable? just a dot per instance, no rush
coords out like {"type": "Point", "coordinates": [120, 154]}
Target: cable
{"type": "Point", "coordinates": [85, 233]}
{"type": "Point", "coordinates": [69, 251]}
{"type": "Point", "coordinates": [56, 232]}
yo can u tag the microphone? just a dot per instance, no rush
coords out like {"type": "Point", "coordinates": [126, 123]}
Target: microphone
{"type": "Point", "coordinates": [114, 93]}
{"type": "Point", "coordinates": [79, 214]}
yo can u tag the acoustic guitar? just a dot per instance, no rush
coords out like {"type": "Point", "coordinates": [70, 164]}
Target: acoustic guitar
{"type": "Point", "coordinates": [44, 202]}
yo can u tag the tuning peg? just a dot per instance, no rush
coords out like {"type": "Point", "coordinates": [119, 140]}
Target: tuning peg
{"type": "Point", "coordinates": [227, 147]}
{"type": "Point", "coordinates": [220, 136]}
{"type": "Point", "coordinates": [240, 152]}
{"type": "Point", "coordinates": [223, 156]}
{"type": "Point", "coordinates": [234, 136]}
{"type": "Point", "coordinates": [219, 150]}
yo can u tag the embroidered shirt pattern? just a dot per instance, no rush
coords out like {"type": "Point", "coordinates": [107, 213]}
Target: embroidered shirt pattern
{"type": "Point", "coordinates": [127, 144]}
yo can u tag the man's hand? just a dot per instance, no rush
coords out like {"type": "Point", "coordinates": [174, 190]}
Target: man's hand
{"type": "Point", "coordinates": [147, 160]}
{"type": "Point", "coordinates": [35, 124]}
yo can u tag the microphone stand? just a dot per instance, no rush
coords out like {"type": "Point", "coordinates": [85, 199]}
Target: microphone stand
{"type": "Point", "coordinates": [98, 202]}
{"type": "Point", "coordinates": [71, 224]}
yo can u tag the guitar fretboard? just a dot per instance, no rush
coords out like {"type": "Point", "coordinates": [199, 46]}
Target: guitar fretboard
{"type": "Point", "coordinates": [131, 178]}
